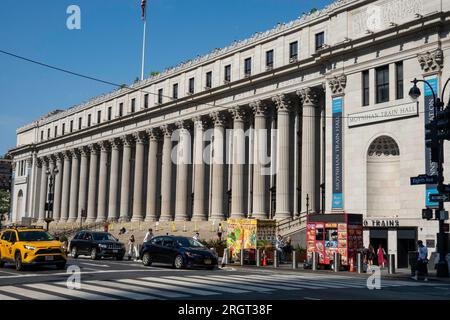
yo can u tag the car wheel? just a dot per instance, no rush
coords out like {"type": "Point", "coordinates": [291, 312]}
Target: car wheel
{"type": "Point", "coordinates": [146, 260]}
{"type": "Point", "coordinates": [18, 262]}
{"type": "Point", "coordinates": [61, 266]}
{"type": "Point", "coordinates": [178, 262]}
{"type": "Point", "coordinates": [94, 255]}
{"type": "Point", "coordinates": [74, 252]}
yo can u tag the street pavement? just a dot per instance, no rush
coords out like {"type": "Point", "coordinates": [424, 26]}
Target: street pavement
{"type": "Point", "coordinates": [125, 280]}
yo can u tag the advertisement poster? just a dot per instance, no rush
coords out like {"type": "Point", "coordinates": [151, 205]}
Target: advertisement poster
{"type": "Point", "coordinates": [337, 202]}
{"type": "Point", "coordinates": [342, 238]}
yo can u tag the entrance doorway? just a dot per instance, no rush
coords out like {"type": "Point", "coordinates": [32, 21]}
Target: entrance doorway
{"type": "Point", "coordinates": [406, 241]}
{"type": "Point", "coordinates": [377, 237]}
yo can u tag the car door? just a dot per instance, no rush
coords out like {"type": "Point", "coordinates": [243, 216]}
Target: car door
{"type": "Point", "coordinates": [77, 242]}
{"type": "Point", "coordinates": [168, 250]}
{"type": "Point", "coordinates": [88, 242]}
{"type": "Point", "coordinates": [5, 244]}
{"type": "Point", "coordinates": [12, 245]}
{"type": "Point", "coordinates": [155, 249]}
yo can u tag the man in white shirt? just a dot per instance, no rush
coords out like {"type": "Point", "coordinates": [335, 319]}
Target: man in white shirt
{"type": "Point", "coordinates": [422, 261]}
{"type": "Point", "coordinates": [197, 236]}
{"type": "Point", "coordinates": [148, 235]}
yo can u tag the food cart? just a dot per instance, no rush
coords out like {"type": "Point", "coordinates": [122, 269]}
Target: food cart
{"type": "Point", "coordinates": [249, 234]}
{"type": "Point", "coordinates": [330, 233]}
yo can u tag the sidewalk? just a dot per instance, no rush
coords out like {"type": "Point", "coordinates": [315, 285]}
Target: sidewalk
{"type": "Point", "coordinates": [400, 274]}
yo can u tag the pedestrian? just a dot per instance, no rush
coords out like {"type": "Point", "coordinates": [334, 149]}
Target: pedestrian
{"type": "Point", "coordinates": [106, 227]}
{"type": "Point", "coordinates": [287, 249]}
{"type": "Point", "coordinates": [122, 230]}
{"type": "Point", "coordinates": [197, 236]}
{"type": "Point", "coordinates": [381, 253]}
{"type": "Point", "coordinates": [279, 246]}
{"type": "Point", "coordinates": [132, 248]}
{"type": "Point", "coordinates": [370, 255]}
{"type": "Point", "coordinates": [422, 261]}
{"type": "Point", "coordinates": [149, 235]}
{"type": "Point", "coordinates": [219, 231]}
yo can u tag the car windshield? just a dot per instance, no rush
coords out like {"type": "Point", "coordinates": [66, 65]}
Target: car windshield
{"type": "Point", "coordinates": [35, 236]}
{"type": "Point", "coordinates": [189, 242]}
{"type": "Point", "coordinates": [103, 237]}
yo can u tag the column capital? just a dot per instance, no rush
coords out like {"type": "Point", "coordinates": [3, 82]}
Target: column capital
{"type": "Point", "coordinates": [154, 134]}
{"type": "Point", "coordinates": [183, 124]}
{"type": "Point", "coordinates": [337, 84]}
{"type": "Point", "coordinates": [38, 163]}
{"type": "Point", "coordinates": [75, 153]}
{"type": "Point", "coordinates": [89, 150]}
{"type": "Point", "coordinates": [127, 140]}
{"type": "Point", "coordinates": [199, 122]}
{"type": "Point", "coordinates": [67, 155]}
{"type": "Point", "coordinates": [259, 108]}
{"type": "Point", "coordinates": [238, 113]}
{"type": "Point", "coordinates": [140, 137]}
{"type": "Point", "coordinates": [282, 102]}
{"type": "Point", "coordinates": [104, 146]}
{"type": "Point", "coordinates": [166, 130]}
{"type": "Point", "coordinates": [308, 95]}
{"type": "Point", "coordinates": [431, 61]}
{"type": "Point", "coordinates": [115, 143]}
{"type": "Point", "coordinates": [218, 118]}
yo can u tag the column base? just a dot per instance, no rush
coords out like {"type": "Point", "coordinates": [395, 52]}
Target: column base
{"type": "Point", "coordinates": [100, 220]}
{"type": "Point", "coordinates": [199, 218]}
{"type": "Point", "coordinates": [89, 220]}
{"type": "Point", "coordinates": [260, 215]}
{"type": "Point", "coordinates": [282, 215]}
{"type": "Point", "coordinates": [181, 219]}
{"type": "Point", "coordinates": [71, 220]}
{"type": "Point", "coordinates": [150, 219]}
{"type": "Point", "coordinates": [137, 219]}
{"type": "Point", "coordinates": [237, 215]}
{"type": "Point", "coordinates": [217, 218]}
{"type": "Point", "coordinates": [124, 219]}
{"type": "Point", "coordinates": [165, 219]}
{"type": "Point", "coordinates": [113, 219]}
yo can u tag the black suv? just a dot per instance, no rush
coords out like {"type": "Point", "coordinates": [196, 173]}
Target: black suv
{"type": "Point", "coordinates": [97, 245]}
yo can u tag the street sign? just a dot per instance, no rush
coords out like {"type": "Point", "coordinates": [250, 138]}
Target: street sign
{"type": "Point", "coordinates": [445, 188]}
{"type": "Point", "coordinates": [424, 179]}
{"type": "Point", "coordinates": [439, 197]}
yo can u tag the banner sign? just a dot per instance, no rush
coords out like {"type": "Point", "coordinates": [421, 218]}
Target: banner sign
{"type": "Point", "coordinates": [337, 200]}
{"type": "Point", "coordinates": [430, 167]}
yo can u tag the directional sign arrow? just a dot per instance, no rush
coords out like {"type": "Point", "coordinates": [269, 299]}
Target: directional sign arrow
{"type": "Point", "coordinates": [439, 197]}
{"type": "Point", "coordinates": [424, 179]}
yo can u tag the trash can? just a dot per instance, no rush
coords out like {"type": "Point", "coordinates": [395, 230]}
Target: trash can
{"type": "Point", "coordinates": [412, 261]}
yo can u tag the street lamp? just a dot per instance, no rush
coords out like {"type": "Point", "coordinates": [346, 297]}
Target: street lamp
{"type": "Point", "coordinates": [50, 195]}
{"type": "Point", "coordinates": [414, 93]}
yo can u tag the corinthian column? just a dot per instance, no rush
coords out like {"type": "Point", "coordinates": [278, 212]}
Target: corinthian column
{"type": "Point", "coordinates": [92, 197]}
{"type": "Point", "coordinates": [43, 190]}
{"type": "Point", "coordinates": [310, 162]}
{"type": "Point", "coordinates": [138, 209]}
{"type": "Point", "coordinates": [282, 185]}
{"type": "Point", "coordinates": [217, 212]}
{"type": "Point", "coordinates": [125, 190]}
{"type": "Point", "coordinates": [58, 188]}
{"type": "Point", "coordinates": [154, 136]}
{"type": "Point", "coordinates": [260, 152]}
{"type": "Point", "coordinates": [166, 181]}
{"type": "Point", "coordinates": [237, 178]}
{"type": "Point", "coordinates": [103, 180]}
{"type": "Point", "coordinates": [66, 187]}
{"type": "Point", "coordinates": [74, 186]}
{"type": "Point", "coordinates": [84, 179]}
{"type": "Point", "coordinates": [183, 161]}
{"type": "Point", "coordinates": [198, 212]}
{"type": "Point", "coordinates": [113, 213]}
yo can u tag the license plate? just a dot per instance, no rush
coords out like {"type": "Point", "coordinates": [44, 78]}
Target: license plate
{"type": "Point", "coordinates": [48, 258]}
{"type": "Point", "coordinates": [115, 251]}
{"type": "Point", "coordinates": [208, 261]}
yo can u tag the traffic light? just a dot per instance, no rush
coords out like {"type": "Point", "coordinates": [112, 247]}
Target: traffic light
{"type": "Point", "coordinates": [443, 124]}
{"type": "Point", "coordinates": [431, 140]}
{"type": "Point", "coordinates": [427, 214]}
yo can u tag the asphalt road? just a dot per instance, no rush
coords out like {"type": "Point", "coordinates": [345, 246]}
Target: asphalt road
{"type": "Point", "coordinates": [119, 280]}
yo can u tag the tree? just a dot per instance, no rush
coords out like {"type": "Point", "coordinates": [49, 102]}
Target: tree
{"type": "Point", "coordinates": [154, 73]}
{"type": "Point", "coordinates": [4, 201]}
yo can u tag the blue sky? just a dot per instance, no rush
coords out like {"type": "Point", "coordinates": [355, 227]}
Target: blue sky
{"type": "Point", "coordinates": [108, 45]}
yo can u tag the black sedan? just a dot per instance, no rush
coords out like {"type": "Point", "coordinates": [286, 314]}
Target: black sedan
{"type": "Point", "coordinates": [97, 245]}
{"type": "Point", "coordinates": [180, 252]}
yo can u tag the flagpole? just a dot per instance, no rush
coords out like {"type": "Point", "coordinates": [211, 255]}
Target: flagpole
{"type": "Point", "coordinates": [143, 47]}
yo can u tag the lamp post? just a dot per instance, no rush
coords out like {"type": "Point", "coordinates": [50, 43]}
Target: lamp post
{"type": "Point", "coordinates": [414, 93]}
{"type": "Point", "coordinates": [50, 196]}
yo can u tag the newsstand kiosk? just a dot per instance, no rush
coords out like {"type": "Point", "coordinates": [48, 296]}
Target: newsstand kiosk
{"type": "Point", "coordinates": [330, 233]}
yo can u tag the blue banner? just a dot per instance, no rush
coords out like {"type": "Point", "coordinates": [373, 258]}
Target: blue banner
{"type": "Point", "coordinates": [430, 167]}
{"type": "Point", "coordinates": [337, 200]}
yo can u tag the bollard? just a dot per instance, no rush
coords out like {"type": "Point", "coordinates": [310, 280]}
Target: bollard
{"type": "Point", "coordinates": [314, 261]}
{"type": "Point", "coordinates": [225, 258]}
{"type": "Point", "coordinates": [275, 259]}
{"type": "Point", "coordinates": [391, 265]}
{"type": "Point", "coordinates": [258, 258]}
{"type": "Point", "coordinates": [294, 260]}
{"type": "Point", "coordinates": [359, 262]}
{"type": "Point", "coordinates": [336, 261]}
{"type": "Point", "coordinates": [242, 257]}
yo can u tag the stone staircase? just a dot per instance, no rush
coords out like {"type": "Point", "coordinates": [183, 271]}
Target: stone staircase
{"type": "Point", "coordinates": [294, 228]}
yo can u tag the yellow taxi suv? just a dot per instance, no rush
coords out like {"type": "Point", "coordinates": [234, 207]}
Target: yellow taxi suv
{"type": "Point", "coordinates": [30, 246]}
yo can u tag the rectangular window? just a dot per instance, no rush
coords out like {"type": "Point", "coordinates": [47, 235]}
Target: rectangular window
{"type": "Point", "coordinates": [399, 80]}
{"type": "Point", "coordinates": [146, 101]}
{"type": "Point", "coordinates": [80, 122]}
{"type": "Point", "coordinates": [365, 88]}
{"type": "Point", "coordinates": [121, 109]}
{"type": "Point", "coordinates": [227, 76]}
{"type": "Point", "coordinates": [160, 96]}
{"type": "Point", "coordinates": [99, 116]}
{"type": "Point", "coordinates": [63, 129]}
{"type": "Point", "coordinates": [248, 67]}
{"type": "Point", "coordinates": [269, 59]}
{"type": "Point", "coordinates": [89, 120]}
{"type": "Point", "coordinates": [191, 85]}
{"type": "Point", "coordinates": [133, 105]}
{"type": "Point", "coordinates": [109, 113]}
{"type": "Point", "coordinates": [209, 80]}
{"type": "Point", "coordinates": [382, 84]}
{"type": "Point", "coordinates": [175, 91]}
{"type": "Point", "coordinates": [42, 135]}
{"type": "Point", "coordinates": [293, 51]}
{"type": "Point", "coordinates": [48, 133]}
{"type": "Point", "coordinates": [320, 40]}
{"type": "Point", "coordinates": [71, 126]}
{"type": "Point", "coordinates": [56, 131]}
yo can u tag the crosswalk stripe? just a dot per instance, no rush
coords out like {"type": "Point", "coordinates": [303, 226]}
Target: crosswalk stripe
{"type": "Point", "coordinates": [268, 282]}
{"type": "Point", "coordinates": [144, 290]}
{"type": "Point", "coordinates": [31, 294]}
{"type": "Point", "coordinates": [181, 283]}
{"type": "Point", "coordinates": [330, 281]}
{"type": "Point", "coordinates": [285, 281]}
{"type": "Point", "coordinates": [263, 285]}
{"type": "Point", "coordinates": [5, 297]}
{"type": "Point", "coordinates": [236, 283]}
{"type": "Point", "coordinates": [69, 292]}
{"type": "Point", "coordinates": [147, 282]}
{"type": "Point", "coordinates": [115, 292]}
{"type": "Point", "coordinates": [206, 284]}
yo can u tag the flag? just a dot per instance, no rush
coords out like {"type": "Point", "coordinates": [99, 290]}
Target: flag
{"type": "Point", "coordinates": [143, 4]}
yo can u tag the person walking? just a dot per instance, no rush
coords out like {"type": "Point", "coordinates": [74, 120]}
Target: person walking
{"type": "Point", "coordinates": [132, 248]}
{"type": "Point", "coordinates": [422, 261]}
{"type": "Point", "coordinates": [287, 249]}
{"type": "Point", "coordinates": [370, 255]}
{"type": "Point", "coordinates": [381, 253]}
{"type": "Point", "coordinates": [279, 246]}
{"type": "Point", "coordinates": [149, 235]}
{"type": "Point", "coordinates": [219, 232]}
